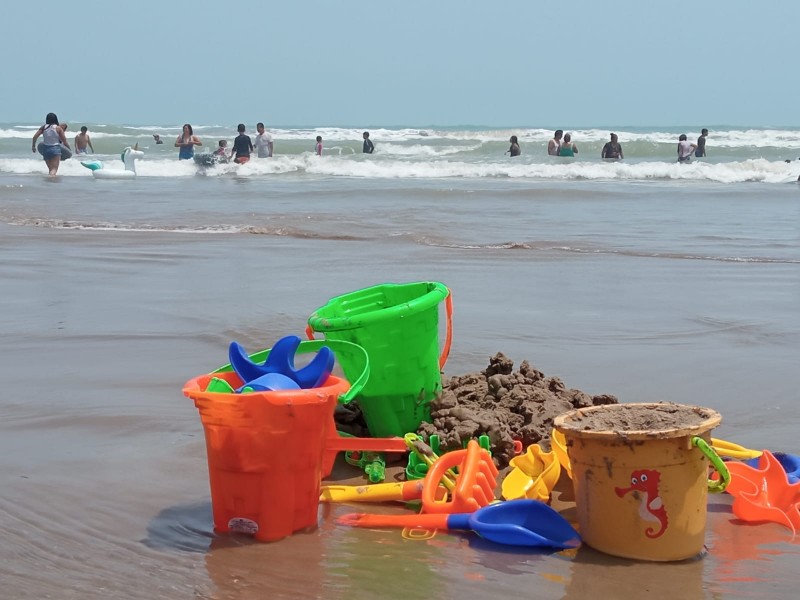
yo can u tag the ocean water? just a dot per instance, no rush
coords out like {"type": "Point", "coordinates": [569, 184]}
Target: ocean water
{"type": "Point", "coordinates": [644, 278]}
{"type": "Point", "coordinates": [734, 155]}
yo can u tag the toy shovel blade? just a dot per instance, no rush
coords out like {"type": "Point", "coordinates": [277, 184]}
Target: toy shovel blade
{"type": "Point", "coordinates": [515, 522]}
{"type": "Point", "coordinates": [523, 523]}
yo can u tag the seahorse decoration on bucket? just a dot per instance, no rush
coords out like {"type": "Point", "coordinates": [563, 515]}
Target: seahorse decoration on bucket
{"type": "Point", "coordinates": [651, 507]}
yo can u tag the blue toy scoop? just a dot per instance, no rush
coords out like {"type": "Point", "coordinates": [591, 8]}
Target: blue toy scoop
{"type": "Point", "coordinates": [270, 382]}
{"type": "Point", "coordinates": [281, 360]}
{"type": "Point", "coordinates": [519, 523]}
{"type": "Point", "coordinates": [514, 522]}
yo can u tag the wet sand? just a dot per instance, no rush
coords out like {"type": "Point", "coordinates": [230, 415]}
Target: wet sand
{"type": "Point", "coordinates": [103, 480]}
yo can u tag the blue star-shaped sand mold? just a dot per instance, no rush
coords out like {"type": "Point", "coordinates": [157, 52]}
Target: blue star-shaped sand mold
{"type": "Point", "coordinates": [279, 367]}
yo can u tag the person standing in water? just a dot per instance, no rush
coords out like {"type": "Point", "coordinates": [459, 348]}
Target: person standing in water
{"type": "Point", "coordinates": [242, 146]}
{"type": "Point", "coordinates": [567, 148]}
{"type": "Point", "coordinates": [514, 150]}
{"type": "Point", "coordinates": [685, 149]}
{"type": "Point", "coordinates": [612, 150]}
{"type": "Point", "coordinates": [66, 151]}
{"type": "Point", "coordinates": [50, 148]}
{"type": "Point", "coordinates": [263, 143]}
{"type": "Point", "coordinates": [554, 144]}
{"type": "Point", "coordinates": [700, 152]}
{"type": "Point", "coordinates": [186, 141]}
{"type": "Point", "coordinates": [369, 147]}
{"type": "Point", "coordinates": [221, 153]}
{"type": "Point", "coordinates": [82, 141]}
{"type": "Point", "coordinates": [318, 147]}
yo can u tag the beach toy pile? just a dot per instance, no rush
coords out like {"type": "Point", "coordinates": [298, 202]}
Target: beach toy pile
{"type": "Point", "coordinates": [269, 425]}
{"type": "Point", "coordinates": [635, 477]}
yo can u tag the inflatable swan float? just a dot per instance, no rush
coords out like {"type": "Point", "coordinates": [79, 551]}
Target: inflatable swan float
{"type": "Point", "coordinates": [128, 156]}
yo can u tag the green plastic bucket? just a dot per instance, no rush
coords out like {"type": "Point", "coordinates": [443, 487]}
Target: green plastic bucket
{"type": "Point", "coordinates": [398, 325]}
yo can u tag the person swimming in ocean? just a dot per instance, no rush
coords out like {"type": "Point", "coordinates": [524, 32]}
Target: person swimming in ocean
{"type": "Point", "coordinates": [368, 147]}
{"type": "Point", "coordinates": [186, 141]}
{"type": "Point", "coordinates": [220, 155]}
{"type": "Point", "coordinates": [83, 143]}
{"type": "Point", "coordinates": [554, 145]}
{"type": "Point", "coordinates": [514, 150]}
{"type": "Point", "coordinates": [567, 148]}
{"type": "Point", "coordinates": [612, 150]}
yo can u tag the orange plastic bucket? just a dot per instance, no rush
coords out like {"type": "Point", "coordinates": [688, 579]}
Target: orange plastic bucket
{"type": "Point", "coordinates": [265, 449]}
{"type": "Point", "coordinates": [641, 484]}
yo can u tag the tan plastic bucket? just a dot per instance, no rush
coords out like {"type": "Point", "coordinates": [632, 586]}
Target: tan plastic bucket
{"type": "Point", "coordinates": [641, 485]}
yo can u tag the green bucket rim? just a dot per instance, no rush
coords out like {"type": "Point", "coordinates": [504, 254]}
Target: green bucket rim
{"type": "Point", "coordinates": [434, 296]}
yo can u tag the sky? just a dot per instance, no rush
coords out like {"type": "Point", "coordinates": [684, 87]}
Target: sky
{"type": "Point", "coordinates": [576, 63]}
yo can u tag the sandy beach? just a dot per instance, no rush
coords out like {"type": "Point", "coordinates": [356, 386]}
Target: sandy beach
{"type": "Point", "coordinates": [621, 290]}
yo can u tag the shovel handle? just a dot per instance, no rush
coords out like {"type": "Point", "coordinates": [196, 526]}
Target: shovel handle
{"type": "Point", "coordinates": [376, 521]}
{"type": "Point", "coordinates": [448, 339]}
{"type": "Point", "coordinates": [732, 450]}
{"type": "Point", "coordinates": [339, 444]}
{"type": "Point", "coordinates": [380, 492]}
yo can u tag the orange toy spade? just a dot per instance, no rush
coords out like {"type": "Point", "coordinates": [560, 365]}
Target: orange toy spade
{"type": "Point", "coordinates": [764, 493]}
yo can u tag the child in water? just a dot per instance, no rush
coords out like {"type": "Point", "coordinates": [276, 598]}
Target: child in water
{"type": "Point", "coordinates": [242, 146]}
{"type": "Point", "coordinates": [318, 147]}
{"type": "Point", "coordinates": [219, 153]}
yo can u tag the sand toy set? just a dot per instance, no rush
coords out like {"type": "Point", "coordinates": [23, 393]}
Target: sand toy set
{"type": "Point", "coordinates": [639, 473]}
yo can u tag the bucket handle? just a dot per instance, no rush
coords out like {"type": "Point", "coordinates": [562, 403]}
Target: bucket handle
{"type": "Point", "coordinates": [360, 381]}
{"type": "Point", "coordinates": [448, 339]}
{"type": "Point", "coordinates": [715, 487]}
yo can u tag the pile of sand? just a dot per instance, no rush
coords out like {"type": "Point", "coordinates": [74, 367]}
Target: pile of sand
{"type": "Point", "coordinates": [503, 404]}
{"type": "Point", "coordinates": [498, 402]}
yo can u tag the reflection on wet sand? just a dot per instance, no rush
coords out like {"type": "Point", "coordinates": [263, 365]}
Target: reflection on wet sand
{"type": "Point", "coordinates": [242, 568]}
{"type": "Point", "coordinates": [743, 558]}
{"type": "Point", "coordinates": [332, 562]}
{"type": "Point", "coordinates": [339, 562]}
{"type": "Point", "coordinates": [598, 575]}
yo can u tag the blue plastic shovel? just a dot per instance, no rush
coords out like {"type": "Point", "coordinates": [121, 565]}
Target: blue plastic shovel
{"type": "Point", "coordinates": [515, 523]}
